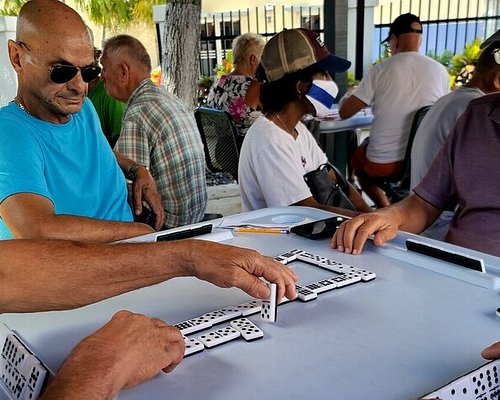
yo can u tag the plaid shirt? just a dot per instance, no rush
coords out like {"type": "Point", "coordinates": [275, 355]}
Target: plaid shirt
{"type": "Point", "coordinates": [160, 132]}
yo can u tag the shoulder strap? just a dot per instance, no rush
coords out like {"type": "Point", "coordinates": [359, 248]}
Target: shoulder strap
{"type": "Point", "coordinates": [341, 179]}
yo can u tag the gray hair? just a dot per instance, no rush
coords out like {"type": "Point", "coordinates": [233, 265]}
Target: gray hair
{"type": "Point", "coordinates": [132, 48]}
{"type": "Point", "coordinates": [245, 45]}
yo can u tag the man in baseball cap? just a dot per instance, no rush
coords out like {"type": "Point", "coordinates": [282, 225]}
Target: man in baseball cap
{"type": "Point", "coordinates": [395, 89]}
{"type": "Point", "coordinates": [298, 71]}
{"type": "Point", "coordinates": [404, 24]}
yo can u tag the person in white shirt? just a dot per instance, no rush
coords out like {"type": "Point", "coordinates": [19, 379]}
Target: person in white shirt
{"type": "Point", "coordinates": [278, 150]}
{"type": "Point", "coordinates": [395, 89]}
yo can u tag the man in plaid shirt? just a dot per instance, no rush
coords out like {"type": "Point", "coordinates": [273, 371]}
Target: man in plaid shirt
{"type": "Point", "coordinates": [158, 131]}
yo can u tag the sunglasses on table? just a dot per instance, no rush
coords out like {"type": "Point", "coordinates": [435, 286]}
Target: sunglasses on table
{"type": "Point", "coordinates": [62, 73]}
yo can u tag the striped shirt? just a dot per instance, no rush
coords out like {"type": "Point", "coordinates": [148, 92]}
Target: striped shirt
{"type": "Point", "coordinates": [160, 132]}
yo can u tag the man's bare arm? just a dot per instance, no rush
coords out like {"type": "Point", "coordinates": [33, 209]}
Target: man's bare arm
{"type": "Point", "coordinates": [349, 106]}
{"type": "Point", "coordinates": [31, 216]}
{"type": "Point", "coordinates": [66, 274]}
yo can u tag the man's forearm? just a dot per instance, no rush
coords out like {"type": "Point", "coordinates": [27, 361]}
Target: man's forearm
{"type": "Point", "coordinates": [414, 214]}
{"type": "Point", "coordinates": [89, 272]}
{"type": "Point", "coordinates": [70, 227]}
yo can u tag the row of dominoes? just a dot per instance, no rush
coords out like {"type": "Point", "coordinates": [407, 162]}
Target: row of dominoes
{"type": "Point", "coordinates": [209, 319]}
{"type": "Point", "coordinates": [325, 263]}
{"type": "Point", "coordinates": [21, 373]}
{"type": "Point", "coordinates": [481, 384]}
{"type": "Point", "coordinates": [236, 328]}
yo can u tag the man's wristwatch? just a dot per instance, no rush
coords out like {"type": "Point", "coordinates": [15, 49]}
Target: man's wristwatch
{"type": "Point", "coordinates": [132, 171]}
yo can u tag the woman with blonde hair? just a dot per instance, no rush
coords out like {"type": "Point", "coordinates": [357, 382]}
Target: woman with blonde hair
{"type": "Point", "coordinates": [238, 92]}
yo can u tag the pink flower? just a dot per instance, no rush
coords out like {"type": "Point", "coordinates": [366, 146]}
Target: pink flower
{"type": "Point", "coordinates": [238, 108]}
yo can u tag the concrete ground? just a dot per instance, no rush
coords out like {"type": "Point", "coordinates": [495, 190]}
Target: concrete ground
{"type": "Point", "coordinates": [224, 199]}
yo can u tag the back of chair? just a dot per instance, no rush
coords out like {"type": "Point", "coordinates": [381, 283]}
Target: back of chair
{"type": "Point", "coordinates": [417, 119]}
{"type": "Point", "coordinates": [398, 187]}
{"type": "Point", "coordinates": [217, 130]}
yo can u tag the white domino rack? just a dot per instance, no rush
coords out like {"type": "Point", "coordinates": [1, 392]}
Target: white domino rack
{"type": "Point", "coordinates": [482, 383]}
{"type": "Point", "coordinates": [22, 375]}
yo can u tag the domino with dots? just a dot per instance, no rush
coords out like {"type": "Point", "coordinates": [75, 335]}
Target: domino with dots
{"type": "Point", "coordinates": [481, 383]}
{"type": "Point", "coordinates": [21, 373]}
{"type": "Point", "coordinates": [193, 346]}
{"type": "Point", "coordinates": [304, 294]}
{"type": "Point", "coordinates": [249, 308]}
{"type": "Point", "coordinates": [194, 325]}
{"type": "Point", "coordinates": [289, 256]}
{"type": "Point", "coordinates": [218, 337]}
{"type": "Point", "coordinates": [249, 331]}
{"type": "Point", "coordinates": [269, 311]}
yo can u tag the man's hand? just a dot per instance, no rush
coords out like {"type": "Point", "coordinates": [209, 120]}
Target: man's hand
{"type": "Point", "coordinates": [144, 189]}
{"type": "Point", "coordinates": [227, 266]}
{"type": "Point", "coordinates": [351, 235]}
{"type": "Point", "coordinates": [128, 350]}
{"type": "Point", "coordinates": [492, 352]}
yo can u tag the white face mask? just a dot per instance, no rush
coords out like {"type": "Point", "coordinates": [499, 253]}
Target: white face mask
{"type": "Point", "coordinates": [322, 95]}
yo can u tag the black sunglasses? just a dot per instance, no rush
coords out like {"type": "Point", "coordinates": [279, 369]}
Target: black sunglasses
{"type": "Point", "coordinates": [62, 73]}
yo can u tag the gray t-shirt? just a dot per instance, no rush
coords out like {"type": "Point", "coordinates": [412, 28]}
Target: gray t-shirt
{"type": "Point", "coordinates": [465, 174]}
{"type": "Point", "coordinates": [435, 127]}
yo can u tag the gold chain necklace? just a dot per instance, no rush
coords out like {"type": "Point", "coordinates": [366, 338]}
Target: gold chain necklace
{"type": "Point", "coordinates": [284, 126]}
{"type": "Point", "coordinates": [21, 106]}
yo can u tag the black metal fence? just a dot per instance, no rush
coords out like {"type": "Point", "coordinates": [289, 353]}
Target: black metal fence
{"type": "Point", "coordinates": [219, 30]}
{"type": "Point", "coordinates": [448, 25]}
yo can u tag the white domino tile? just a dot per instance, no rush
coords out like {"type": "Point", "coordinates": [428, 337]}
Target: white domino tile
{"type": "Point", "coordinates": [289, 256]}
{"type": "Point", "coordinates": [269, 311]}
{"type": "Point", "coordinates": [322, 286]}
{"type": "Point", "coordinates": [193, 346]}
{"type": "Point", "coordinates": [304, 294]}
{"type": "Point", "coordinates": [346, 279]}
{"type": "Point", "coordinates": [250, 307]}
{"type": "Point", "coordinates": [249, 331]}
{"type": "Point", "coordinates": [194, 325]}
{"type": "Point", "coordinates": [218, 337]}
{"type": "Point", "coordinates": [21, 374]}
{"type": "Point", "coordinates": [222, 315]}
{"type": "Point", "coordinates": [311, 258]}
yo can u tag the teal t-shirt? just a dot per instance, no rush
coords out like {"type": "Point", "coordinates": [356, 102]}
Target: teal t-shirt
{"type": "Point", "coordinates": [71, 164]}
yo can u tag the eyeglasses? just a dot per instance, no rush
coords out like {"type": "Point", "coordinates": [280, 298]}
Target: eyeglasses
{"type": "Point", "coordinates": [411, 30]}
{"type": "Point", "coordinates": [62, 73]}
{"type": "Point", "coordinates": [496, 55]}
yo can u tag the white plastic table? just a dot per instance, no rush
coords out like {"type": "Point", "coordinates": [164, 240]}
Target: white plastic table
{"type": "Point", "coordinates": [400, 336]}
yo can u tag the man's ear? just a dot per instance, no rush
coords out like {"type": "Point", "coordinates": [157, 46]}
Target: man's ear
{"type": "Point", "coordinates": [124, 70]}
{"type": "Point", "coordinates": [15, 56]}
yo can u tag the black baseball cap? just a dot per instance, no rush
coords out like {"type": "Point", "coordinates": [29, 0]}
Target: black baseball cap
{"type": "Point", "coordinates": [402, 24]}
{"type": "Point", "coordinates": [493, 38]}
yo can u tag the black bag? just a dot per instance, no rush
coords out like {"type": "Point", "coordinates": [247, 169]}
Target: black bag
{"type": "Point", "coordinates": [325, 191]}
